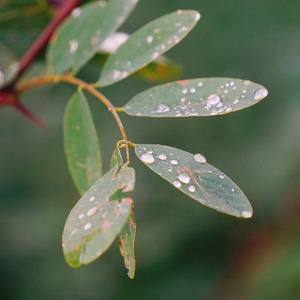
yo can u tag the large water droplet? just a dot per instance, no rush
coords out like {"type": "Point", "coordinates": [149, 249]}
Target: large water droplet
{"type": "Point", "coordinates": [162, 156]}
{"type": "Point", "coordinates": [147, 158]}
{"type": "Point", "coordinates": [76, 12]}
{"type": "Point", "coordinates": [88, 226]}
{"type": "Point", "coordinates": [73, 44]}
{"type": "Point", "coordinates": [192, 90]}
{"type": "Point", "coordinates": [213, 100]}
{"type": "Point", "coordinates": [177, 184]}
{"type": "Point", "coordinates": [260, 94]}
{"type": "Point", "coordinates": [197, 17]}
{"type": "Point", "coordinates": [192, 188]}
{"type": "Point", "coordinates": [246, 214]}
{"type": "Point", "coordinates": [92, 211]}
{"type": "Point", "coordinates": [184, 178]}
{"type": "Point", "coordinates": [149, 39]}
{"type": "Point", "coordinates": [174, 162]}
{"type": "Point", "coordinates": [200, 158]}
{"type": "Point", "coordinates": [162, 108]}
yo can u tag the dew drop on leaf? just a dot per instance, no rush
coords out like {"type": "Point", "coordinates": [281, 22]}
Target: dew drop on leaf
{"type": "Point", "coordinates": [200, 158]}
{"type": "Point", "coordinates": [184, 178]}
{"type": "Point", "coordinates": [147, 158]}
{"type": "Point", "coordinates": [260, 94]}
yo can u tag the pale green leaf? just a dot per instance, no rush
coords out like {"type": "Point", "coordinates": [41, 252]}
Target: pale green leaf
{"type": "Point", "coordinates": [81, 143]}
{"type": "Point", "coordinates": [146, 44]}
{"type": "Point", "coordinates": [196, 97]}
{"type": "Point", "coordinates": [193, 176]}
{"type": "Point", "coordinates": [79, 38]}
{"type": "Point", "coordinates": [97, 219]}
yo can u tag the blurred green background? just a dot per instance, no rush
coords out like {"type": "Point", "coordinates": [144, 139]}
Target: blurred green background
{"type": "Point", "coordinates": [183, 249]}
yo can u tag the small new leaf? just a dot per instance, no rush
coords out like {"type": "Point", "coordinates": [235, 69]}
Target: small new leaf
{"type": "Point", "coordinates": [193, 176]}
{"type": "Point", "coordinates": [97, 218]}
{"type": "Point", "coordinates": [147, 44]}
{"type": "Point", "coordinates": [79, 38]}
{"type": "Point", "coordinates": [81, 143]}
{"type": "Point", "coordinates": [196, 97]}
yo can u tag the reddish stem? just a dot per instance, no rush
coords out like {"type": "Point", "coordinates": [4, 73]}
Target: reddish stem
{"type": "Point", "coordinates": [45, 36]}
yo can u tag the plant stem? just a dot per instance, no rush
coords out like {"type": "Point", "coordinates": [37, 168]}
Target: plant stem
{"type": "Point", "coordinates": [23, 87]}
{"type": "Point", "coordinates": [44, 37]}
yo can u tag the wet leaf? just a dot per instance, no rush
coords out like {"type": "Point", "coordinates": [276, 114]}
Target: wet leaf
{"type": "Point", "coordinates": [196, 178]}
{"type": "Point", "coordinates": [161, 69]}
{"type": "Point", "coordinates": [81, 143]}
{"type": "Point", "coordinates": [9, 67]}
{"type": "Point", "coordinates": [146, 44]}
{"type": "Point", "coordinates": [97, 219]}
{"type": "Point", "coordinates": [128, 232]}
{"type": "Point", "coordinates": [196, 97]}
{"type": "Point", "coordinates": [79, 38]}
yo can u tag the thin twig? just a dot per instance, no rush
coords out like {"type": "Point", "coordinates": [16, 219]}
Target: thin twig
{"type": "Point", "coordinates": [23, 87]}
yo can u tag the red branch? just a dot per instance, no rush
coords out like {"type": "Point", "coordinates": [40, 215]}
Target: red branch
{"type": "Point", "coordinates": [45, 36]}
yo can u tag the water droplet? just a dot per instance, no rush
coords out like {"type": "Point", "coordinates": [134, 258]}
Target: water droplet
{"type": "Point", "coordinates": [174, 162]}
{"type": "Point", "coordinates": [244, 91]}
{"type": "Point", "coordinates": [116, 74]}
{"type": "Point", "coordinates": [92, 198]}
{"type": "Point", "coordinates": [81, 216]}
{"type": "Point", "coordinates": [149, 39]}
{"type": "Point", "coordinates": [154, 55]}
{"type": "Point", "coordinates": [214, 112]}
{"type": "Point", "coordinates": [2, 77]}
{"type": "Point", "coordinates": [225, 91]}
{"type": "Point", "coordinates": [177, 184]}
{"type": "Point", "coordinates": [162, 156]}
{"type": "Point", "coordinates": [235, 101]}
{"type": "Point", "coordinates": [246, 214]}
{"type": "Point", "coordinates": [192, 188]}
{"type": "Point", "coordinates": [229, 109]}
{"type": "Point", "coordinates": [233, 190]}
{"type": "Point", "coordinates": [213, 100]}
{"type": "Point", "coordinates": [200, 83]}
{"type": "Point", "coordinates": [184, 178]}
{"type": "Point", "coordinates": [185, 91]}
{"type": "Point", "coordinates": [231, 83]}
{"type": "Point", "coordinates": [76, 12]}
{"type": "Point", "coordinates": [162, 108]}
{"type": "Point", "coordinates": [200, 158]}
{"type": "Point", "coordinates": [221, 176]}
{"type": "Point", "coordinates": [192, 90]}
{"type": "Point", "coordinates": [73, 44]}
{"type": "Point", "coordinates": [88, 226]}
{"type": "Point", "coordinates": [260, 94]}
{"type": "Point", "coordinates": [147, 158]}
{"type": "Point", "coordinates": [227, 84]}
{"type": "Point", "coordinates": [92, 211]}
{"type": "Point", "coordinates": [197, 17]}
{"type": "Point", "coordinates": [247, 82]}
{"type": "Point", "coordinates": [182, 100]}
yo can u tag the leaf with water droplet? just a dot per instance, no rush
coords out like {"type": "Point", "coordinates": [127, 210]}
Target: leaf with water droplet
{"type": "Point", "coordinates": [128, 232]}
{"type": "Point", "coordinates": [196, 178]}
{"type": "Point", "coordinates": [81, 143]}
{"type": "Point", "coordinates": [196, 97]}
{"type": "Point", "coordinates": [8, 67]}
{"type": "Point", "coordinates": [147, 44]}
{"type": "Point", "coordinates": [79, 38]}
{"type": "Point", "coordinates": [97, 219]}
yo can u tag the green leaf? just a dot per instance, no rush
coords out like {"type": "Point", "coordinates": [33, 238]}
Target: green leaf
{"type": "Point", "coordinates": [81, 143]}
{"type": "Point", "coordinates": [161, 69]}
{"type": "Point", "coordinates": [97, 219]}
{"type": "Point", "coordinates": [8, 67]}
{"type": "Point", "coordinates": [79, 38]}
{"type": "Point", "coordinates": [196, 178]}
{"type": "Point", "coordinates": [128, 232]}
{"type": "Point", "coordinates": [196, 97]}
{"type": "Point", "coordinates": [146, 44]}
